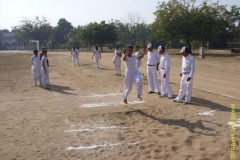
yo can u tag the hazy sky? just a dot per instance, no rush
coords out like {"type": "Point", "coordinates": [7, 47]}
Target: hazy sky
{"type": "Point", "coordinates": [79, 12]}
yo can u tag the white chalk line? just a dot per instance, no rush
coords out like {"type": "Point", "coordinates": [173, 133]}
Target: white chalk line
{"type": "Point", "coordinates": [90, 105]}
{"type": "Point", "coordinates": [208, 113]}
{"type": "Point", "coordinates": [99, 146]}
{"type": "Point", "coordinates": [236, 124]}
{"type": "Point", "coordinates": [95, 128]}
{"type": "Point", "coordinates": [224, 95]}
{"type": "Point", "coordinates": [96, 95]}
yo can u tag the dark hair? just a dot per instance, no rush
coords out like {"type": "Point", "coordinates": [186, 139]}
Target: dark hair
{"type": "Point", "coordinates": [117, 46]}
{"type": "Point", "coordinates": [74, 48]}
{"type": "Point", "coordinates": [163, 48]}
{"type": "Point", "coordinates": [35, 51]}
{"type": "Point", "coordinates": [137, 46]}
{"type": "Point", "coordinates": [77, 47]}
{"type": "Point", "coordinates": [96, 47]}
{"type": "Point", "coordinates": [131, 47]}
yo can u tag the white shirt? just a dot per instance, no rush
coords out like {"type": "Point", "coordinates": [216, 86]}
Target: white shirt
{"type": "Point", "coordinates": [153, 57]}
{"type": "Point", "coordinates": [130, 64]}
{"type": "Point", "coordinates": [138, 53]}
{"type": "Point", "coordinates": [36, 62]}
{"type": "Point", "coordinates": [44, 59]}
{"type": "Point", "coordinates": [188, 65]}
{"type": "Point", "coordinates": [117, 52]}
{"type": "Point", "coordinates": [165, 62]}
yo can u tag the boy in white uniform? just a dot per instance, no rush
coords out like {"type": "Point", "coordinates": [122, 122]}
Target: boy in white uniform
{"type": "Point", "coordinates": [74, 55]}
{"type": "Point", "coordinates": [132, 74]}
{"type": "Point", "coordinates": [138, 53]}
{"type": "Point", "coordinates": [96, 56]}
{"type": "Point", "coordinates": [165, 73]}
{"type": "Point", "coordinates": [152, 67]}
{"type": "Point", "coordinates": [187, 72]}
{"type": "Point", "coordinates": [44, 69]}
{"type": "Point", "coordinates": [36, 67]}
{"type": "Point", "coordinates": [117, 60]}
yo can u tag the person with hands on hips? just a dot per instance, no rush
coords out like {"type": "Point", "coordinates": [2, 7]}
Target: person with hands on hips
{"type": "Point", "coordinates": [187, 72]}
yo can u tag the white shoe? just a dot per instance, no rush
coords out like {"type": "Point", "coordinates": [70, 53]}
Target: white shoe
{"type": "Point", "coordinates": [177, 101]}
{"type": "Point", "coordinates": [35, 84]}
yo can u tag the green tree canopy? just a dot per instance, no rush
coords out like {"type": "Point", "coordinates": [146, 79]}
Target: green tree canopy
{"type": "Point", "coordinates": [186, 21]}
{"type": "Point", "coordinates": [98, 34]}
{"type": "Point", "coordinates": [38, 29]}
{"type": "Point", "coordinates": [62, 29]}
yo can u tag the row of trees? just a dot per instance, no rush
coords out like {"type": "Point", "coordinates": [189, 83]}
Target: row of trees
{"type": "Point", "coordinates": [183, 22]}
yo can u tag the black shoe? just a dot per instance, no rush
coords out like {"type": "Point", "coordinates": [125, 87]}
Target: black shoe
{"type": "Point", "coordinates": [159, 93]}
{"type": "Point", "coordinates": [186, 103]}
{"type": "Point", "coordinates": [150, 92]}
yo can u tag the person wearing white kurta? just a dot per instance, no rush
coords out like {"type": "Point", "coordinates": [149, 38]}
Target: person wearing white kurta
{"type": "Point", "coordinates": [117, 60]}
{"type": "Point", "coordinates": [96, 56]}
{"type": "Point", "coordinates": [74, 55]}
{"type": "Point", "coordinates": [187, 73]}
{"type": "Point", "coordinates": [132, 74]}
{"type": "Point", "coordinates": [44, 69]}
{"type": "Point", "coordinates": [138, 53]}
{"type": "Point", "coordinates": [152, 67]}
{"type": "Point", "coordinates": [36, 67]}
{"type": "Point", "coordinates": [166, 89]}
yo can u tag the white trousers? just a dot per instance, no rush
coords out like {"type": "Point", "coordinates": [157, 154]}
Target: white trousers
{"type": "Point", "coordinates": [96, 60]}
{"type": "Point", "coordinates": [45, 77]}
{"type": "Point", "coordinates": [117, 64]}
{"type": "Point", "coordinates": [75, 59]}
{"type": "Point", "coordinates": [36, 72]}
{"type": "Point", "coordinates": [165, 84]}
{"type": "Point", "coordinates": [152, 78]}
{"type": "Point", "coordinates": [128, 82]}
{"type": "Point", "coordinates": [185, 89]}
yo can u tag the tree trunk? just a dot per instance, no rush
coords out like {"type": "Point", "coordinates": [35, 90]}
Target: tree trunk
{"type": "Point", "coordinates": [101, 48]}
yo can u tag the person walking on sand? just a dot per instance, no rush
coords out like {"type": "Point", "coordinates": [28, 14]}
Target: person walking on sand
{"type": "Point", "coordinates": [152, 67]}
{"type": "Point", "coordinates": [117, 60]}
{"type": "Point", "coordinates": [166, 89]}
{"type": "Point", "coordinates": [96, 56]}
{"type": "Point", "coordinates": [36, 67]}
{"type": "Point", "coordinates": [132, 74]}
{"type": "Point", "coordinates": [44, 70]}
{"type": "Point", "coordinates": [74, 55]}
{"type": "Point", "coordinates": [187, 73]}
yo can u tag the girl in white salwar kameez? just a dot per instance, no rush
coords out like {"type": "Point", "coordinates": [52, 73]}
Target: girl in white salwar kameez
{"type": "Point", "coordinates": [96, 56]}
{"type": "Point", "coordinates": [44, 70]}
{"type": "Point", "coordinates": [132, 74]}
{"type": "Point", "coordinates": [74, 53]}
{"type": "Point", "coordinates": [36, 67]}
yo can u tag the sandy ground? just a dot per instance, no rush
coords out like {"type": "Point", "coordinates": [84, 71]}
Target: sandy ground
{"type": "Point", "coordinates": [82, 115]}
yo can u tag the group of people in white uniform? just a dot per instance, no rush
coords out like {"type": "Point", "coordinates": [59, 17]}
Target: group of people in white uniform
{"type": "Point", "coordinates": [40, 68]}
{"type": "Point", "coordinates": [154, 58]}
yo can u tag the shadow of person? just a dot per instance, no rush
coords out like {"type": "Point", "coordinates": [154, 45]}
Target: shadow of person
{"type": "Point", "coordinates": [183, 123]}
{"type": "Point", "coordinates": [107, 69]}
{"type": "Point", "coordinates": [61, 89]}
{"type": "Point", "coordinates": [212, 105]}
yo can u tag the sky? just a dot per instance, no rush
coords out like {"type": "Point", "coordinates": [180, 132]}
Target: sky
{"type": "Point", "coordinates": [79, 12]}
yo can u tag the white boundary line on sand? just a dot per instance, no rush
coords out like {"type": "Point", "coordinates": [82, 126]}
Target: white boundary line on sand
{"type": "Point", "coordinates": [98, 146]}
{"type": "Point", "coordinates": [237, 123]}
{"type": "Point", "coordinates": [224, 95]}
{"type": "Point", "coordinates": [208, 113]}
{"type": "Point", "coordinates": [90, 105]}
{"type": "Point", "coordinates": [96, 128]}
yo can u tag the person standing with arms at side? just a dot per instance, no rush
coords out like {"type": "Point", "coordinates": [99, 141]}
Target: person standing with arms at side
{"type": "Point", "coordinates": [96, 56]}
{"type": "Point", "coordinates": [165, 73]}
{"type": "Point", "coordinates": [117, 60]}
{"type": "Point", "coordinates": [132, 74]}
{"type": "Point", "coordinates": [74, 55]}
{"type": "Point", "coordinates": [152, 67]}
{"type": "Point", "coordinates": [187, 72]}
{"type": "Point", "coordinates": [44, 69]}
{"type": "Point", "coordinates": [36, 67]}
{"type": "Point", "coordinates": [138, 53]}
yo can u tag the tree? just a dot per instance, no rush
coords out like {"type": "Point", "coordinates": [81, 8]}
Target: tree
{"type": "Point", "coordinates": [62, 29]}
{"type": "Point", "coordinates": [98, 34]}
{"type": "Point", "coordinates": [185, 21]}
{"type": "Point", "coordinates": [38, 29]}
